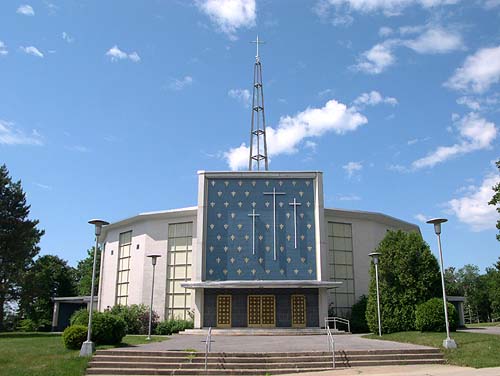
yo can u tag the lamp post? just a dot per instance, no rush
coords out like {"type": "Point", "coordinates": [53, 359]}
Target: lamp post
{"type": "Point", "coordinates": [448, 343]}
{"type": "Point", "coordinates": [374, 256]}
{"type": "Point", "coordinates": [88, 346]}
{"type": "Point", "coordinates": [154, 257]}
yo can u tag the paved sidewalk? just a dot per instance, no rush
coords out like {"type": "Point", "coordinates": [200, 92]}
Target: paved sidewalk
{"type": "Point", "coordinates": [483, 330]}
{"type": "Point", "coordinates": [418, 370]}
{"type": "Point", "coordinates": [273, 343]}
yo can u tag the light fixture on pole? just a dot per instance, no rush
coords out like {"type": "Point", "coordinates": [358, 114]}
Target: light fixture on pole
{"type": "Point", "coordinates": [448, 343]}
{"type": "Point", "coordinates": [375, 256]}
{"type": "Point", "coordinates": [154, 257]}
{"type": "Point", "coordinates": [88, 346]}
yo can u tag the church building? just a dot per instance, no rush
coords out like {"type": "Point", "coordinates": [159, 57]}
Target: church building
{"type": "Point", "coordinates": [259, 249]}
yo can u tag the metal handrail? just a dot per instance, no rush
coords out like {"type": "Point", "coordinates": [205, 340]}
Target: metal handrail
{"type": "Point", "coordinates": [335, 320]}
{"type": "Point", "coordinates": [331, 344]}
{"type": "Point", "coordinates": [208, 346]}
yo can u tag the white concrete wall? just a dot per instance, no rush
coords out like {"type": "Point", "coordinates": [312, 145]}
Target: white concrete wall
{"type": "Point", "coordinates": [149, 236]}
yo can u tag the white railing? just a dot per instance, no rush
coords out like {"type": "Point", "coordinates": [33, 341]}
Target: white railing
{"type": "Point", "coordinates": [336, 320]}
{"type": "Point", "coordinates": [331, 344]}
{"type": "Point", "coordinates": [208, 346]}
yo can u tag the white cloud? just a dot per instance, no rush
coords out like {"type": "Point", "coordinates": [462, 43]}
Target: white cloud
{"type": "Point", "coordinates": [431, 40]}
{"type": "Point", "coordinates": [352, 168]}
{"type": "Point", "coordinates": [26, 10]}
{"type": "Point", "coordinates": [241, 95]}
{"type": "Point", "coordinates": [475, 133]}
{"type": "Point", "coordinates": [179, 84]}
{"type": "Point", "coordinates": [422, 218]}
{"type": "Point", "coordinates": [9, 135]}
{"type": "Point", "coordinates": [373, 98]}
{"type": "Point", "coordinates": [376, 59]}
{"type": "Point", "coordinates": [469, 102]}
{"type": "Point", "coordinates": [385, 31]}
{"type": "Point", "coordinates": [44, 186]}
{"type": "Point", "coordinates": [229, 15]}
{"type": "Point", "coordinates": [436, 40]}
{"type": "Point", "coordinates": [31, 50]}
{"type": "Point", "coordinates": [116, 54]}
{"type": "Point", "coordinates": [387, 7]}
{"type": "Point", "coordinates": [3, 49]}
{"type": "Point", "coordinates": [293, 130]}
{"type": "Point", "coordinates": [490, 4]}
{"type": "Point", "coordinates": [66, 37]}
{"type": "Point", "coordinates": [473, 209]}
{"type": "Point", "coordinates": [78, 148]}
{"type": "Point", "coordinates": [479, 71]}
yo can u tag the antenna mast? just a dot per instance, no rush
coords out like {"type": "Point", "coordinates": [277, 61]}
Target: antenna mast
{"type": "Point", "coordinates": [258, 143]}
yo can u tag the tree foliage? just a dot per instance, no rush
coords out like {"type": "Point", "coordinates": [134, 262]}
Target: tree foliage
{"type": "Point", "coordinates": [495, 200]}
{"type": "Point", "coordinates": [408, 275]}
{"type": "Point", "coordinates": [49, 277]}
{"type": "Point", "coordinates": [84, 273]}
{"type": "Point", "coordinates": [19, 237]}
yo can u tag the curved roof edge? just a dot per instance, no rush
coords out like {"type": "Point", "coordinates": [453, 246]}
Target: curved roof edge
{"type": "Point", "coordinates": [192, 210]}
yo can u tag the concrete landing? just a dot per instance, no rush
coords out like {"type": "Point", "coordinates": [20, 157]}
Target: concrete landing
{"type": "Point", "coordinates": [222, 343]}
{"type": "Point", "coordinates": [261, 332]}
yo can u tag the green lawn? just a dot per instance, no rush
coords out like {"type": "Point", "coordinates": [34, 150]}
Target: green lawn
{"type": "Point", "coordinates": [474, 350]}
{"type": "Point", "coordinates": [43, 354]}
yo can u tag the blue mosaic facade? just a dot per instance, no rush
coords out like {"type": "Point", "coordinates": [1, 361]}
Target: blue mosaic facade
{"type": "Point", "coordinates": [229, 250]}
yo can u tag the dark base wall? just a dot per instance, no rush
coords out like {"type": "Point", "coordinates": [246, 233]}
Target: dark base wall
{"type": "Point", "coordinates": [239, 306]}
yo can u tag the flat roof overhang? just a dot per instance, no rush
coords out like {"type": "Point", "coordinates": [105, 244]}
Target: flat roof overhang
{"type": "Point", "coordinates": [260, 284]}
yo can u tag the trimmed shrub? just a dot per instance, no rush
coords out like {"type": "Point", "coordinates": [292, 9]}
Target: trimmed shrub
{"type": "Point", "coordinates": [430, 316]}
{"type": "Point", "coordinates": [169, 327]}
{"type": "Point", "coordinates": [29, 325]}
{"type": "Point", "coordinates": [136, 316]}
{"type": "Point", "coordinates": [107, 329]}
{"type": "Point", "coordinates": [80, 317]}
{"type": "Point", "coordinates": [358, 316]}
{"type": "Point", "coordinates": [73, 336]}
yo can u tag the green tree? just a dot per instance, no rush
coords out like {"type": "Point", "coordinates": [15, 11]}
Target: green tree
{"type": "Point", "coordinates": [495, 200]}
{"type": "Point", "coordinates": [19, 237]}
{"type": "Point", "coordinates": [452, 281]}
{"type": "Point", "coordinates": [84, 273]}
{"type": "Point", "coordinates": [492, 283]}
{"type": "Point", "coordinates": [408, 275]}
{"type": "Point", "coordinates": [49, 277]}
{"type": "Point", "coordinates": [477, 303]}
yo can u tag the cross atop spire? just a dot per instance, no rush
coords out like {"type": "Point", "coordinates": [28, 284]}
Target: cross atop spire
{"type": "Point", "coordinates": [257, 42]}
{"type": "Point", "coordinates": [258, 143]}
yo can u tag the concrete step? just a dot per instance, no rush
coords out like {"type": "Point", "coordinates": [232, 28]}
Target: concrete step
{"type": "Point", "coordinates": [140, 372]}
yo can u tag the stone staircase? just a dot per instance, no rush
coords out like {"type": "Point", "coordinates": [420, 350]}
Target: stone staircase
{"type": "Point", "coordinates": [136, 362]}
{"type": "Point", "coordinates": [262, 332]}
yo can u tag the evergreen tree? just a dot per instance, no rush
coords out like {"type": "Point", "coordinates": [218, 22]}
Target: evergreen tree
{"type": "Point", "coordinates": [49, 277]}
{"type": "Point", "coordinates": [408, 275]}
{"type": "Point", "coordinates": [19, 239]}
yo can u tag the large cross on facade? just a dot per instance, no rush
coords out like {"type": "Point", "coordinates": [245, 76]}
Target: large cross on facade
{"type": "Point", "coordinates": [253, 215]}
{"type": "Point", "coordinates": [295, 204]}
{"type": "Point", "coordinates": [274, 193]}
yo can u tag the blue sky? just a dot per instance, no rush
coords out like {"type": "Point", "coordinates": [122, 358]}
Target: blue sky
{"type": "Point", "coordinates": [108, 109]}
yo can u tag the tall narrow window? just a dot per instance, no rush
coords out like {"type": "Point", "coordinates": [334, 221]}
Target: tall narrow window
{"type": "Point", "coordinates": [124, 245]}
{"type": "Point", "coordinates": [341, 266]}
{"type": "Point", "coordinates": [180, 239]}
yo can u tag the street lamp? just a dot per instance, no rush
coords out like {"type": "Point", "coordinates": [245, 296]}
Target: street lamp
{"type": "Point", "coordinates": [154, 257]}
{"type": "Point", "coordinates": [448, 343]}
{"type": "Point", "coordinates": [374, 256]}
{"type": "Point", "coordinates": [88, 346]}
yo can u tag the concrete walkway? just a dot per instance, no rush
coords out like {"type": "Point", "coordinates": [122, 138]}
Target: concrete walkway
{"type": "Point", "coordinates": [483, 330]}
{"type": "Point", "coordinates": [222, 343]}
{"type": "Point", "coordinates": [419, 370]}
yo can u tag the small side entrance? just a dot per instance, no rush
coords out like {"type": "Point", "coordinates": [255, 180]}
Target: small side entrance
{"type": "Point", "coordinates": [224, 311]}
{"type": "Point", "coordinates": [261, 311]}
{"type": "Point", "coordinates": [298, 311]}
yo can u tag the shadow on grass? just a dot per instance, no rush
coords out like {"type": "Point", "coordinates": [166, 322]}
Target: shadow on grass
{"type": "Point", "coordinates": [28, 334]}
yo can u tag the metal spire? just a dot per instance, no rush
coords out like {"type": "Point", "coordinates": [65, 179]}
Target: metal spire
{"type": "Point", "coordinates": [258, 143]}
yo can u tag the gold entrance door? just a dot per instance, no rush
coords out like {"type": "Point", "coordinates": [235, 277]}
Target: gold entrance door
{"type": "Point", "coordinates": [298, 311]}
{"type": "Point", "coordinates": [261, 311]}
{"type": "Point", "coordinates": [223, 311]}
